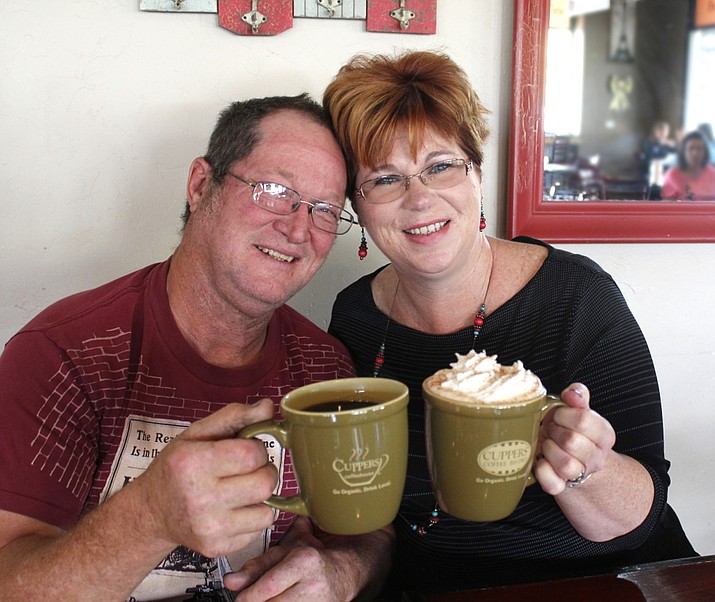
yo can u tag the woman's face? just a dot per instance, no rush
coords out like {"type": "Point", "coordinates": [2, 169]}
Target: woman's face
{"type": "Point", "coordinates": [695, 152]}
{"type": "Point", "coordinates": [428, 232]}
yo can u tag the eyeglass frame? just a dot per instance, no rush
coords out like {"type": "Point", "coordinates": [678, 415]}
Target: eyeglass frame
{"type": "Point", "coordinates": [468, 165]}
{"type": "Point", "coordinates": [343, 214]}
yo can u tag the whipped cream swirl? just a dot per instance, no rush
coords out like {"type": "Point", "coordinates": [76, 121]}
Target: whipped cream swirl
{"type": "Point", "coordinates": [478, 377]}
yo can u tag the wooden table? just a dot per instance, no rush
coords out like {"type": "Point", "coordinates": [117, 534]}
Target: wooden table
{"type": "Point", "coordinates": [686, 580]}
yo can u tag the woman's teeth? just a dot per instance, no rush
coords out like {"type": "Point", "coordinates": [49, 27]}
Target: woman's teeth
{"type": "Point", "coordinates": [427, 229]}
{"type": "Point", "coordinates": [276, 254]}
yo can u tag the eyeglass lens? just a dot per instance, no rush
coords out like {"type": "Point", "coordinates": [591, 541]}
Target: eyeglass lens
{"type": "Point", "coordinates": [282, 200]}
{"type": "Point", "coordinates": [438, 176]}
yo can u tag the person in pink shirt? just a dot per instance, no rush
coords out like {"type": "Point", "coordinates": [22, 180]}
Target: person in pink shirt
{"type": "Point", "coordinates": [693, 178]}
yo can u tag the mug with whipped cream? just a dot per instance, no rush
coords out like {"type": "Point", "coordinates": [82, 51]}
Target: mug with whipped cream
{"type": "Point", "coordinates": [482, 424]}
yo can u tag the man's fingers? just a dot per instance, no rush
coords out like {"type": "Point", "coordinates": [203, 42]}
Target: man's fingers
{"type": "Point", "coordinates": [229, 420]}
{"type": "Point", "coordinates": [254, 569]}
{"type": "Point", "coordinates": [301, 532]}
{"type": "Point", "coordinates": [219, 535]}
{"type": "Point", "coordinates": [299, 575]}
{"type": "Point", "coordinates": [247, 489]}
{"type": "Point", "coordinates": [231, 457]}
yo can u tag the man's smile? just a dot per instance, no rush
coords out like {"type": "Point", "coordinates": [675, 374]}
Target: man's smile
{"type": "Point", "coordinates": [276, 254]}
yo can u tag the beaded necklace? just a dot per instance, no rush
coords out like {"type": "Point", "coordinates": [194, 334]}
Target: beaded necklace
{"type": "Point", "coordinates": [478, 324]}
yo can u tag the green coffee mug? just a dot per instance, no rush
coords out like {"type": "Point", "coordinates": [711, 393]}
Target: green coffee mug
{"type": "Point", "coordinates": [348, 442]}
{"type": "Point", "coordinates": [480, 456]}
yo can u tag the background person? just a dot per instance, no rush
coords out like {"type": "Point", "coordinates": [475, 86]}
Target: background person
{"type": "Point", "coordinates": [659, 151]}
{"type": "Point", "coordinates": [693, 178]}
{"type": "Point", "coordinates": [658, 146]}
{"type": "Point", "coordinates": [413, 131]}
{"type": "Point", "coordinates": [122, 474]}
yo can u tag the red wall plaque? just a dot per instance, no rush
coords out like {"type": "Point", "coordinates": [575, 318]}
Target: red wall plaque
{"type": "Point", "coordinates": [256, 17]}
{"type": "Point", "coordinates": [402, 16]}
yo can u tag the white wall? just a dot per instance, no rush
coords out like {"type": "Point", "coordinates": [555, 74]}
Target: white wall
{"type": "Point", "coordinates": [103, 107]}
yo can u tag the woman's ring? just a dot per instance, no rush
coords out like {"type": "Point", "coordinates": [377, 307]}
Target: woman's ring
{"type": "Point", "coordinates": [579, 480]}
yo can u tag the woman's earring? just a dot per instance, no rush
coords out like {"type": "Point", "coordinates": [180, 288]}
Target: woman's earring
{"type": "Point", "coordinates": [362, 251]}
{"type": "Point", "coordinates": [482, 220]}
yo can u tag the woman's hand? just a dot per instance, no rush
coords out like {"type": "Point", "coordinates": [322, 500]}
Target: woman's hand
{"type": "Point", "coordinates": [614, 493]}
{"type": "Point", "coordinates": [573, 442]}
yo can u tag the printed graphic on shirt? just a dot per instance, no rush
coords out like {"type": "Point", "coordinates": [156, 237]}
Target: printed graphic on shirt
{"type": "Point", "coordinates": [142, 441]}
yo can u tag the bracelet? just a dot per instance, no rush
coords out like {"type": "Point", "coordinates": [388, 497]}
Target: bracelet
{"type": "Point", "coordinates": [579, 480]}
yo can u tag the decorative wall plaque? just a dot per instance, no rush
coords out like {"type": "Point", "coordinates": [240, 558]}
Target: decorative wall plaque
{"type": "Point", "coordinates": [402, 16]}
{"type": "Point", "coordinates": [179, 6]}
{"type": "Point", "coordinates": [255, 17]}
{"type": "Point", "coordinates": [330, 9]}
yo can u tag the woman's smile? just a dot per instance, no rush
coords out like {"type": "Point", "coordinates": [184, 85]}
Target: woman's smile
{"type": "Point", "coordinates": [429, 229]}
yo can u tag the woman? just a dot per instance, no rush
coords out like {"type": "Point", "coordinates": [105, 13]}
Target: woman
{"type": "Point", "coordinates": [413, 132]}
{"type": "Point", "coordinates": [694, 176]}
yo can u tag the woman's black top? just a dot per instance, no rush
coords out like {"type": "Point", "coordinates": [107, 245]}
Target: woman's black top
{"type": "Point", "coordinates": [570, 323]}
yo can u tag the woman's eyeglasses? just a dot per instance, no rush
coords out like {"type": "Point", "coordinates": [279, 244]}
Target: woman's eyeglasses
{"type": "Point", "coordinates": [438, 176]}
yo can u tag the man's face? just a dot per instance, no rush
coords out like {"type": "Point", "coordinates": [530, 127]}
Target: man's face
{"type": "Point", "coordinates": [257, 260]}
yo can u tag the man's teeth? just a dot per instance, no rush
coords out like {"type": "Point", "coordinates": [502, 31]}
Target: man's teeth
{"type": "Point", "coordinates": [276, 254]}
{"type": "Point", "coordinates": [427, 229]}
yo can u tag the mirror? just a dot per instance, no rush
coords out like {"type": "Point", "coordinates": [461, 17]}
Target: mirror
{"type": "Point", "coordinates": [616, 208]}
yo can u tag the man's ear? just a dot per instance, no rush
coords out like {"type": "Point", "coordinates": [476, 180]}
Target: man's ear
{"type": "Point", "coordinates": [199, 183]}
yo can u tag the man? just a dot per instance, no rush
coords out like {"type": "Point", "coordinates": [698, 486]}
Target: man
{"type": "Point", "coordinates": [106, 492]}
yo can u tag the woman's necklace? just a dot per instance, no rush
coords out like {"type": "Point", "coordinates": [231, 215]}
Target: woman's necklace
{"type": "Point", "coordinates": [380, 357]}
{"type": "Point", "coordinates": [478, 323]}
{"type": "Point", "coordinates": [433, 519]}
{"type": "Point", "coordinates": [421, 530]}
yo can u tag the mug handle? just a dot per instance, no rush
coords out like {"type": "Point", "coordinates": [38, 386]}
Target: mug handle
{"type": "Point", "coordinates": [276, 428]}
{"type": "Point", "coordinates": [550, 402]}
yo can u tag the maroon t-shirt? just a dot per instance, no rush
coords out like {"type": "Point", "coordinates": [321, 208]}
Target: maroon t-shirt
{"type": "Point", "coordinates": [104, 378]}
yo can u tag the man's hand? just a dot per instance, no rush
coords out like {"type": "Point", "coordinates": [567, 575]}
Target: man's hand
{"type": "Point", "coordinates": [311, 565]}
{"type": "Point", "coordinates": [204, 491]}
{"type": "Point", "coordinates": [206, 487]}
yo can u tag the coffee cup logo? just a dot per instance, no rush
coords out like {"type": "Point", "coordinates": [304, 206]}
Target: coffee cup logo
{"type": "Point", "coordinates": [360, 470]}
{"type": "Point", "coordinates": [504, 458]}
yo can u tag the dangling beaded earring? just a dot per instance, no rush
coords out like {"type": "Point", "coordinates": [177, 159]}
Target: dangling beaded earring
{"type": "Point", "coordinates": [482, 219]}
{"type": "Point", "coordinates": [362, 251]}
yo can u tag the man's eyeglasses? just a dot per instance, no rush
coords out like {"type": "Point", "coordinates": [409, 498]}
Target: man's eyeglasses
{"type": "Point", "coordinates": [282, 200]}
{"type": "Point", "coordinates": [438, 176]}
